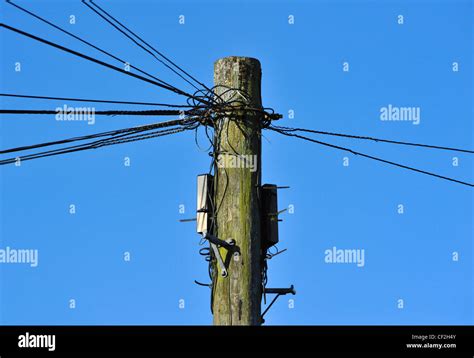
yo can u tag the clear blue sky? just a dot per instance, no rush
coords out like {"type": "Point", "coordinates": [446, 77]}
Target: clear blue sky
{"type": "Point", "coordinates": [136, 209]}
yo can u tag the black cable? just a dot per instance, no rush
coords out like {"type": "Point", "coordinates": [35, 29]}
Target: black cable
{"type": "Point", "coordinates": [96, 61]}
{"type": "Point", "coordinates": [46, 154]}
{"type": "Point", "coordinates": [129, 37]}
{"type": "Point", "coordinates": [63, 141]}
{"type": "Point", "coordinates": [133, 138]}
{"type": "Point", "coordinates": [150, 46]}
{"type": "Point", "coordinates": [86, 42]}
{"type": "Point", "coordinates": [92, 145]}
{"type": "Point", "coordinates": [203, 284]}
{"type": "Point", "coordinates": [371, 157]}
{"type": "Point", "coordinates": [287, 129]}
{"type": "Point", "coordinates": [197, 142]}
{"type": "Point", "coordinates": [153, 112]}
{"type": "Point", "coordinates": [95, 100]}
{"type": "Point", "coordinates": [99, 135]}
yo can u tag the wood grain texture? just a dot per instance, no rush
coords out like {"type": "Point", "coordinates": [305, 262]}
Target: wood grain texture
{"type": "Point", "coordinates": [237, 298]}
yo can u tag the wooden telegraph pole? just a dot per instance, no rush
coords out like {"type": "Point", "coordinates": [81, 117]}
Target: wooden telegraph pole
{"type": "Point", "coordinates": [237, 297]}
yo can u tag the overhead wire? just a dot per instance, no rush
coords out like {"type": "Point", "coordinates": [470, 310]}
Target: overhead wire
{"type": "Point", "coordinates": [102, 63]}
{"type": "Point", "coordinates": [288, 129]}
{"type": "Point", "coordinates": [82, 147]}
{"type": "Point", "coordinates": [113, 134]}
{"type": "Point", "coordinates": [98, 101]}
{"type": "Point", "coordinates": [151, 112]}
{"type": "Point", "coordinates": [86, 42]}
{"type": "Point", "coordinates": [127, 137]}
{"type": "Point", "coordinates": [133, 40]}
{"type": "Point", "coordinates": [150, 47]}
{"type": "Point", "coordinates": [371, 157]}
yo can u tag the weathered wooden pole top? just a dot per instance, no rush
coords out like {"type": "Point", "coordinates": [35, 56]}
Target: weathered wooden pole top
{"type": "Point", "coordinates": [239, 73]}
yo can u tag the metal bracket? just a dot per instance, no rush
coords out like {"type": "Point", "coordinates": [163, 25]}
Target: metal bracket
{"type": "Point", "coordinates": [229, 244]}
{"type": "Point", "coordinates": [281, 291]}
{"type": "Point", "coordinates": [214, 242]}
{"type": "Point", "coordinates": [277, 187]}
{"type": "Point", "coordinates": [278, 292]}
{"type": "Point", "coordinates": [217, 254]}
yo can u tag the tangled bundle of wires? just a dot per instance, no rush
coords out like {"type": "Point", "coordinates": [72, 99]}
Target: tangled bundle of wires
{"type": "Point", "coordinates": [203, 107]}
